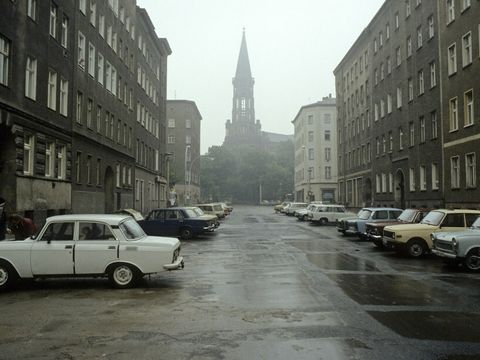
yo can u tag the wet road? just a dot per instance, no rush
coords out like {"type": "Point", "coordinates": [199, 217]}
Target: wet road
{"type": "Point", "coordinates": [264, 286]}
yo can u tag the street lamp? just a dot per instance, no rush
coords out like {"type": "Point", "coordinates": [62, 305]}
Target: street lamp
{"type": "Point", "coordinates": [185, 194]}
{"type": "Point", "coordinates": [167, 161]}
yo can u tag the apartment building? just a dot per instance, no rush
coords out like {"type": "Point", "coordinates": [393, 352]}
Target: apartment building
{"type": "Point", "coordinates": [315, 144]}
{"type": "Point", "coordinates": [37, 51]}
{"type": "Point", "coordinates": [183, 143]}
{"type": "Point", "coordinates": [402, 96]}
{"type": "Point", "coordinates": [460, 57]}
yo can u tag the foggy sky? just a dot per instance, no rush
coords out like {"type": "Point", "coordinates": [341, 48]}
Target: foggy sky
{"type": "Point", "coordinates": [293, 46]}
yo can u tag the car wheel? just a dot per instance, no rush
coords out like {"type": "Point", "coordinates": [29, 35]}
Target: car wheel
{"type": "Point", "coordinates": [123, 276]}
{"type": "Point", "coordinates": [323, 221]}
{"type": "Point", "coordinates": [378, 243]}
{"type": "Point", "coordinates": [472, 260]}
{"type": "Point", "coordinates": [186, 234]}
{"type": "Point", "coordinates": [415, 248]}
{"type": "Point", "coordinates": [304, 217]}
{"type": "Point", "coordinates": [7, 275]}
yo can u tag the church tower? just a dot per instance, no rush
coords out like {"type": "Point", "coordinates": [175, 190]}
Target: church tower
{"type": "Point", "coordinates": [243, 128]}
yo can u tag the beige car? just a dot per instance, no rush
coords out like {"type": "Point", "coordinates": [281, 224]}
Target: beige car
{"type": "Point", "coordinates": [212, 209]}
{"type": "Point", "coordinates": [415, 239]}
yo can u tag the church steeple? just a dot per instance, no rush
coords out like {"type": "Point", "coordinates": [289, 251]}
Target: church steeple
{"type": "Point", "coordinates": [243, 64]}
{"type": "Point", "coordinates": [243, 128]}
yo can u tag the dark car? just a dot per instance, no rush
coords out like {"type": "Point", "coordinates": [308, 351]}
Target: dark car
{"type": "Point", "coordinates": [179, 222]}
{"type": "Point", "coordinates": [374, 231]}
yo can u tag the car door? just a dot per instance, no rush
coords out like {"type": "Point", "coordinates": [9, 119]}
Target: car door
{"type": "Point", "coordinates": [95, 248]}
{"type": "Point", "coordinates": [154, 225]}
{"type": "Point", "coordinates": [452, 222]}
{"type": "Point", "coordinates": [52, 252]}
{"type": "Point", "coordinates": [173, 218]}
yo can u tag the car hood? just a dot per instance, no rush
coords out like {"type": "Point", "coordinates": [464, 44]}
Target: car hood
{"type": "Point", "coordinates": [411, 227]}
{"type": "Point", "coordinates": [352, 218]}
{"type": "Point", "coordinates": [384, 223]}
{"type": "Point", "coordinates": [206, 217]}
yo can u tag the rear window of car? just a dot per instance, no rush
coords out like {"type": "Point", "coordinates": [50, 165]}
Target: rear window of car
{"type": "Point", "coordinates": [381, 215]}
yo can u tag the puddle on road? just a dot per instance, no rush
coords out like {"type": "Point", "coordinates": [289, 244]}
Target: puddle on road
{"type": "Point", "coordinates": [376, 289]}
{"type": "Point", "coordinates": [313, 246]}
{"type": "Point", "coordinates": [339, 261]}
{"type": "Point", "coordinates": [432, 325]}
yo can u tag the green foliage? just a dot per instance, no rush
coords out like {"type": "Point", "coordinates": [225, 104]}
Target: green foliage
{"type": "Point", "coordinates": [235, 174]}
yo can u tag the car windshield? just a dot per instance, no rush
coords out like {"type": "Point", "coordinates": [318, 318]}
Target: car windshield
{"type": "Point", "coordinates": [407, 215]}
{"type": "Point", "coordinates": [476, 223]}
{"type": "Point", "coordinates": [433, 218]}
{"type": "Point", "coordinates": [132, 230]}
{"type": "Point", "coordinates": [191, 213]}
{"type": "Point", "coordinates": [218, 208]}
{"type": "Point", "coordinates": [198, 211]}
{"type": "Point", "coordinates": [364, 214]}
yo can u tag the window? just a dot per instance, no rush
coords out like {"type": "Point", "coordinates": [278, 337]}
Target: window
{"type": "Point", "coordinates": [58, 232]}
{"type": "Point", "coordinates": [468, 108]}
{"type": "Point", "coordinates": [81, 50]}
{"type": "Point", "coordinates": [421, 83]}
{"type": "Point", "coordinates": [419, 37]}
{"type": "Point", "coordinates": [53, 20]}
{"type": "Point", "coordinates": [78, 113]}
{"type": "Point", "coordinates": [433, 75]}
{"type": "Point", "coordinates": [412, 179]}
{"type": "Point", "coordinates": [64, 35]}
{"type": "Point", "coordinates": [328, 172]}
{"type": "Point", "coordinates": [93, 12]}
{"type": "Point", "coordinates": [101, 25]}
{"type": "Point", "coordinates": [31, 78]}
{"type": "Point", "coordinates": [328, 154]}
{"type": "Point", "coordinates": [310, 136]}
{"type": "Point", "coordinates": [188, 124]}
{"type": "Point", "coordinates": [423, 178]}
{"type": "Point", "coordinates": [452, 59]}
{"type": "Point", "coordinates": [450, 11]}
{"type": "Point", "coordinates": [49, 159]}
{"type": "Point", "coordinates": [171, 139]}
{"type": "Point", "coordinates": [435, 177]}
{"type": "Point", "coordinates": [399, 98]}
{"type": "Point", "coordinates": [409, 46]}
{"type": "Point", "coordinates": [467, 49]}
{"type": "Point", "coordinates": [89, 169]}
{"type": "Point", "coordinates": [410, 89]}
{"type": "Point", "coordinates": [471, 171]}
{"type": "Point", "coordinates": [465, 4]}
{"type": "Point", "coordinates": [171, 123]}
{"type": "Point", "coordinates": [455, 172]}
{"type": "Point", "coordinates": [108, 76]}
{"type": "Point", "coordinates": [91, 60]}
{"type": "Point", "coordinates": [408, 9]}
{"type": "Point", "coordinates": [78, 169]}
{"type": "Point", "coordinates": [94, 231]}
{"type": "Point", "coordinates": [422, 129]}
{"type": "Point", "coordinates": [63, 97]}
{"type": "Point", "coordinates": [377, 114]}
{"type": "Point", "coordinates": [327, 135]}
{"type": "Point", "coordinates": [99, 118]}
{"type": "Point", "coordinates": [387, 31]}
{"type": "Point", "coordinates": [384, 190]}
{"type": "Point", "coordinates": [453, 114]}
{"type": "Point", "coordinates": [433, 121]}
{"type": "Point", "coordinates": [118, 175]}
{"type": "Point", "coordinates": [389, 65]}
{"type": "Point", "coordinates": [52, 90]}
{"type": "Point", "coordinates": [397, 21]}
{"type": "Point", "coordinates": [4, 60]}
{"type": "Point", "coordinates": [411, 128]}
{"type": "Point", "coordinates": [378, 184]}
{"type": "Point", "coordinates": [119, 131]}
{"type": "Point", "coordinates": [62, 162]}
{"type": "Point", "coordinates": [431, 27]}
{"type": "Point", "coordinates": [100, 72]}
{"type": "Point", "coordinates": [400, 138]}
{"type": "Point", "coordinates": [32, 9]}
{"type": "Point", "coordinates": [82, 6]}
{"type": "Point", "coordinates": [89, 113]}
{"type": "Point", "coordinates": [28, 154]}
{"type": "Point", "coordinates": [398, 56]}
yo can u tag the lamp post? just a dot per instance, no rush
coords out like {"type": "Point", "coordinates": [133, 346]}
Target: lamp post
{"type": "Point", "coordinates": [186, 195]}
{"type": "Point", "coordinates": [167, 161]}
{"type": "Point", "coordinates": [190, 177]}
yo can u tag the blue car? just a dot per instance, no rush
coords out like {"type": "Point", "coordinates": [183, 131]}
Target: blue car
{"type": "Point", "coordinates": [178, 222]}
{"type": "Point", "coordinates": [357, 225]}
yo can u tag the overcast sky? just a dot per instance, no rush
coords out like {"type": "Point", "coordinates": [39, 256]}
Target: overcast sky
{"type": "Point", "coordinates": [293, 46]}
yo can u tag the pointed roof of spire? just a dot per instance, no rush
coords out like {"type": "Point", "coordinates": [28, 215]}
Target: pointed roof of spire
{"type": "Point", "coordinates": [243, 64]}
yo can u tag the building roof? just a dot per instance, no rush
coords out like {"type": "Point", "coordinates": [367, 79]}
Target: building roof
{"type": "Point", "coordinates": [276, 138]}
{"type": "Point", "coordinates": [328, 101]}
{"type": "Point", "coordinates": [185, 103]}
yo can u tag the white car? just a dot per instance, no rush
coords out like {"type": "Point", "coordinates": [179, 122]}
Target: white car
{"type": "Point", "coordinates": [89, 245]}
{"type": "Point", "coordinates": [327, 213]}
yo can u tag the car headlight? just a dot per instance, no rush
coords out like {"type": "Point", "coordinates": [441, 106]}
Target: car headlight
{"type": "Point", "coordinates": [455, 244]}
{"type": "Point", "coordinates": [432, 237]}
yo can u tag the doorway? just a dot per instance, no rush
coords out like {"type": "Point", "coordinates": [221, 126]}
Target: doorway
{"type": "Point", "coordinates": [400, 189]}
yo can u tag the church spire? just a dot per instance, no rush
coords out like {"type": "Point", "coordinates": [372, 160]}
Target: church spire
{"type": "Point", "coordinates": [243, 64]}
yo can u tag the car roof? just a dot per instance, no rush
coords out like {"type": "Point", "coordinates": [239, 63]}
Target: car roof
{"type": "Point", "coordinates": [111, 219]}
{"type": "Point", "coordinates": [461, 211]}
{"type": "Point", "coordinates": [381, 208]}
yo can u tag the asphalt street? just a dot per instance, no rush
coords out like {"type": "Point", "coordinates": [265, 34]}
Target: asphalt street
{"type": "Point", "coordinates": [263, 286]}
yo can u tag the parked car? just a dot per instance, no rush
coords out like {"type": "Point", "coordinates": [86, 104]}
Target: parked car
{"type": "Point", "coordinates": [290, 210]}
{"type": "Point", "coordinates": [212, 209]}
{"type": "Point", "coordinates": [462, 247]}
{"type": "Point", "coordinates": [89, 245]}
{"type": "Point", "coordinates": [285, 208]}
{"type": "Point", "coordinates": [374, 231]}
{"type": "Point", "coordinates": [201, 213]}
{"type": "Point", "coordinates": [415, 239]}
{"type": "Point", "coordinates": [279, 207]}
{"type": "Point", "coordinates": [180, 222]}
{"type": "Point", "coordinates": [302, 214]}
{"type": "Point", "coordinates": [356, 225]}
{"type": "Point", "coordinates": [328, 213]}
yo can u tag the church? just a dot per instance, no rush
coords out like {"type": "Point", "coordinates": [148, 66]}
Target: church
{"type": "Point", "coordinates": [244, 128]}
